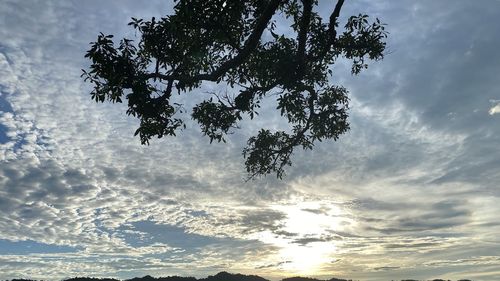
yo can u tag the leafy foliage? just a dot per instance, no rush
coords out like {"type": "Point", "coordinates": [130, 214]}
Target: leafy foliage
{"type": "Point", "coordinates": [226, 42]}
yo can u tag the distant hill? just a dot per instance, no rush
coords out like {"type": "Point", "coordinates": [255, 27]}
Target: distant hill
{"type": "Point", "coordinates": [169, 278]}
{"type": "Point", "coordinates": [221, 276]}
{"type": "Point", "coordinates": [91, 279]}
{"type": "Point", "coordinates": [311, 279]}
{"type": "Point", "coordinates": [225, 276]}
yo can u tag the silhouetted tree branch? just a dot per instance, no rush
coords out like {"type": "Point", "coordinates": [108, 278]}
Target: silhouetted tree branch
{"type": "Point", "coordinates": [223, 42]}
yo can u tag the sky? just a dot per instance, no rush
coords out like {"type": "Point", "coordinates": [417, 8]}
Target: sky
{"type": "Point", "coordinates": [411, 191]}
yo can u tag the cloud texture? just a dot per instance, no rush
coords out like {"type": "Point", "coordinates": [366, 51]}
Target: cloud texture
{"type": "Point", "coordinates": [410, 191]}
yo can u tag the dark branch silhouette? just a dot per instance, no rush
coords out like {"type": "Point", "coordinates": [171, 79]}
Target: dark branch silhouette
{"type": "Point", "coordinates": [225, 42]}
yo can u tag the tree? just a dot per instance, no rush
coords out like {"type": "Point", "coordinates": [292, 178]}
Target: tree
{"type": "Point", "coordinates": [236, 43]}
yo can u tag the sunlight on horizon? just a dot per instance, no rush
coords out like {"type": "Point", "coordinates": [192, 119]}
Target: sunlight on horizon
{"type": "Point", "coordinates": [307, 241]}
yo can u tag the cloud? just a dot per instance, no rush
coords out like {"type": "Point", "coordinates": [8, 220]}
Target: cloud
{"type": "Point", "coordinates": [387, 268]}
{"type": "Point", "coordinates": [275, 265]}
{"type": "Point", "coordinates": [495, 109]}
{"type": "Point", "coordinates": [474, 261]}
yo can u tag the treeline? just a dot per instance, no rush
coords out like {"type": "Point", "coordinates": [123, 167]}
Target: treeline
{"type": "Point", "coordinates": [221, 276]}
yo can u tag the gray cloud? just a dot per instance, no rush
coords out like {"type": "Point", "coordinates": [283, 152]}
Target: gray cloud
{"type": "Point", "coordinates": [387, 268]}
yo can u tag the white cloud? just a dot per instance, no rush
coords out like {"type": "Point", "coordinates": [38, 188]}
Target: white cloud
{"type": "Point", "coordinates": [495, 109]}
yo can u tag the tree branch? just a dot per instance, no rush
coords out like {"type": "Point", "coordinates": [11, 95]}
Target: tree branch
{"type": "Point", "coordinates": [332, 29]}
{"type": "Point", "coordinates": [333, 19]}
{"type": "Point", "coordinates": [284, 153]}
{"type": "Point", "coordinates": [313, 96]}
{"type": "Point", "coordinates": [302, 37]}
{"type": "Point", "coordinates": [250, 44]}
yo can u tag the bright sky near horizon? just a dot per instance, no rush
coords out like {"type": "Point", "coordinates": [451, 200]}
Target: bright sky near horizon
{"type": "Point", "coordinates": [411, 191]}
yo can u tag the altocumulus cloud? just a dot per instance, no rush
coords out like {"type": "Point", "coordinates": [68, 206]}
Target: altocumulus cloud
{"type": "Point", "coordinates": [410, 191]}
{"type": "Point", "coordinates": [496, 108]}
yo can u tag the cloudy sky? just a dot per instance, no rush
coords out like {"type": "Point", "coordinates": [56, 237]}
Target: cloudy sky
{"type": "Point", "coordinates": [412, 191]}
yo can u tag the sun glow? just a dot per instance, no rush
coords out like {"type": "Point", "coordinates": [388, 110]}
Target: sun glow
{"type": "Point", "coordinates": [306, 238]}
{"type": "Point", "coordinates": [307, 259]}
